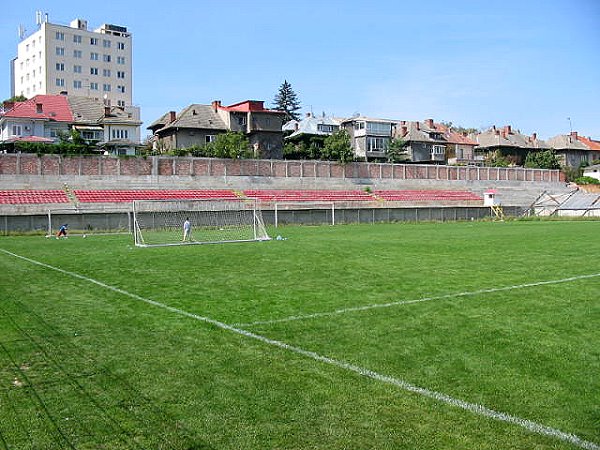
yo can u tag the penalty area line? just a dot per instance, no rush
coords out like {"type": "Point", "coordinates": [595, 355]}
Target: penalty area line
{"type": "Point", "coordinates": [473, 408]}
{"type": "Point", "coordinates": [408, 302]}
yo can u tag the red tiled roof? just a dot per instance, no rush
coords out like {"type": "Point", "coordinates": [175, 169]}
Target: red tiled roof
{"type": "Point", "coordinates": [591, 144]}
{"type": "Point", "coordinates": [53, 107]}
{"type": "Point", "coordinates": [29, 139]}
{"type": "Point", "coordinates": [250, 106]}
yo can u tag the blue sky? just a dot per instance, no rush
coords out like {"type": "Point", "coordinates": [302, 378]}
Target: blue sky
{"type": "Point", "coordinates": [531, 64]}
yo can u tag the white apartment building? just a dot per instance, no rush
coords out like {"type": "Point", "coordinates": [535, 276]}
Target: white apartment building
{"type": "Point", "coordinates": [72, 60]}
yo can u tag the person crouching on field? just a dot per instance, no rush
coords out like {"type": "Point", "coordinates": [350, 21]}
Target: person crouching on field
{"type": "Point", "coordinates": [62, 231]}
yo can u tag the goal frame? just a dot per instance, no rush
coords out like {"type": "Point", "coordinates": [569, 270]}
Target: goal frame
{"type": "Point", "coordinates": [259, 232]}
{"type": "Point", "coordinates": [80, 226]}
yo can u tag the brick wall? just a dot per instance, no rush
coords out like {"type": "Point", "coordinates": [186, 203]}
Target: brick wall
{"type": "Point", "coordinates": [166, 166]}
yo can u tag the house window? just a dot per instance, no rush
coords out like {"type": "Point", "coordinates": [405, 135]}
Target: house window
{"type": "Point", "coordinates": [241, 120]}
{"type": "Point", "coordinates": [210, 138]}
{"type": "Point", "coordinates": [60, 36]}
{"type": "Point", "coordinates": [94, 86]}
{"type": "Point", "coordinates": [77, 38]}
{"type": "Point", "coordinates": [106, 58]}
{"type": "Point", "coordinates": [326, 128]}
{"type": "Point", "coordinates": [60, 82]}
{"type": "Point", "coordinates": [379, 128]}
{"type": "Point", "coordinates": [77, 53]}
{"type": "Point", "coordinates": [106, 87]}
{"type": "Point", "coordinates": [121, 45]}
{"type": "Point", "coordinates": [377, 144]}
{"type": "Point", "coordinates": [77, 84]}
{"type": "Point", "coordinates": [60, 67]}
{"type": "Point", "coordinates": [359, 125]}
{"type": "Point", "coordinates": [60, 51]}
{"type": "Point", "coordinates": [93, 41]}
{"type": "Point", "coordinates": [93, 71]}
{"type": "Point", "coordinates": [121, 103]}
{"type": "Point", "coordinates": [438, 150]}
{"type": "Point", "coordinates": [106, 43]}
{"type": "Point", "coordinates": [76, 69]}
{"type": "Point", "coordinates": [120, 60]}
{"type": "Point", "coordinates": [120, 134]}
{"type": "Point", "coordinates": [120, 74]}
{"type": "Point", "coordinates": [121, 89]}
{"type": "Point", "coordinates": [106, 72]}
{"type": "Point", "coordinates": [94, 56]}
{"type": "Point", "coordinates": [16, 130]}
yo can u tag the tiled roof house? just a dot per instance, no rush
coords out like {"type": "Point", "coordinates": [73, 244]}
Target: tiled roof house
{"type": "Point", "coordinates": [197, 125]}
{"type": "Point", "coordinates": [573, 150]}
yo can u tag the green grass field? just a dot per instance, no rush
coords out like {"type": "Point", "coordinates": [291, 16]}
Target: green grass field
{"type": "Point", "coordinates": [474, 335]}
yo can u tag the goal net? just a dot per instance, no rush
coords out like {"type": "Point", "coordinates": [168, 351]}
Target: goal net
{"type": "Point", "coordinates": [88, 222]}
{"type": "Point", "coordinates": [164, 222]}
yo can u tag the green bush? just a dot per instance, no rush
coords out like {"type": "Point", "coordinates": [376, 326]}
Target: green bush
{"type": "Point", "coordinates": [587, 180]}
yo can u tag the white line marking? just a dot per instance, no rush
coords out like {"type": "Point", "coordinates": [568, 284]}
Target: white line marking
{"type": "Point", "coordinates": [408, 302]}
{"type": "Point", "coordinates": [474, 408]}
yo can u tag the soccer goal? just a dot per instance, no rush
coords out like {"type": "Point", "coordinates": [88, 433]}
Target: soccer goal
{"type": "Point", "coordinates": [89, 222]}
{"type": "Point", "coordinates": [163, 222]}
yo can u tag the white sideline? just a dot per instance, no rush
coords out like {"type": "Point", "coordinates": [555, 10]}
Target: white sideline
{"type": "Point", "coordinates": [407, 302]}
{"type": "Point", "coordinates": [474, 408]}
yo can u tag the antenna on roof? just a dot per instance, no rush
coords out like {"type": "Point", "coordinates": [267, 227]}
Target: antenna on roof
{"type": "Point", "coordinates": [21, 32]}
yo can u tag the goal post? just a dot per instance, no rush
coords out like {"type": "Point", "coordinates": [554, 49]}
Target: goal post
{"type": "Point", "coordinates": [88, 222]}
{"type": "Point", "coordinates": [162, 222]}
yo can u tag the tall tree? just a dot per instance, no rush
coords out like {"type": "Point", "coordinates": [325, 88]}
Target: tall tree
{"type": "Point", "coordinates": [287, 100]}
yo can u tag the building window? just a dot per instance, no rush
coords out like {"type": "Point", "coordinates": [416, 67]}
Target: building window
{"type": "Point", "coordinates": [121, 45]}
{"type": "Point", "coordinates": [77, 38]}
{"type": "Point", "coordinates": [106, 87]}
{"type": "Point", "coordinates": [324, 128]}
{"type": "Point", "coordinates": [120, 60]}
{"type": "Point", "coordinates": [60, 51]}
{"type": "Point", "coordinates": [94, 56]}
{"type": "Point", "coordinates": [120, 74]}
{"type": "Point", "coordinates": [241, 120]}
{"type": "Point", "coordinates": [60, 82]}
{"type": "Point", "coordinates": [106, 72]}
{"type": "Point", "coordinates": [76, 69]}
{"type": "Point", "coordinates": [379, 128]}
{"type": "Point", "coordinates": [60, 67]}
{"type": "Point", "coordinates": [377, 144]}
{"type": "Point", "coordinates": [210, 138]}
{"type": "Point", "coordinates": [120, 134]}
{"type": "Point", "coordinates": [121, 89]}
{"type": "Point", "coordinates": [359, 125]}
{"type": "Point", "coordinates": [121, 103]}
{"type": "Point", "coordinates": [93, 71]}
{"type": "Point", "coordinates": [94, 86]}
{"type": "Point", "coordinates": [106, 43]}
{"type": "Point", "coordinates": [16, 130]}
{"type": "Point", "coordinates": [438, 150]}
{"type": "Point", "coordinates": [60, 36]}
{"type": "Point", "coordinates": [93, 41]}
{"type": "Point", "coordinates": [77, 84]}
{"type": "Point", "coordinates": [106, 58]}
{"type": "Point", "coordinates": [77, 53]}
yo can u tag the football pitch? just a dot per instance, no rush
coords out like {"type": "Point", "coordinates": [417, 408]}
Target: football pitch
{"type": "Point", "coordinates": [468, 335]}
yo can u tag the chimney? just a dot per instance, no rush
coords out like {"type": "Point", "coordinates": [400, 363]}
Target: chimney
{"type": "Point", "coordinates": [39, 108]}
{"type": "Point", "coordinates": [507, 130]}
{"type": "Point", "coordinates": [403, 122]}
{"type": "Point", "coordinates": [534, 137]}
{"type": "Point", "coordinates": [106, 111]}
{"type": "Point", "coordinates": [296, 126]}
{"type": "Point", "coordinates": [418, 125]}
{"type": "Point", "coordinates": [429, 123]}
{"type": "Point", "coordinates": [494, 127]}
{"type": "Point", "coordinates": [172, 116]}
{"type": "Point", "coordinates": [574, 135]}
{"type": "Point", "coordinates": [7, 106]}
{"type": "Point", "coordinates": [216, 104]}
{"type": "Point", "coordinates": [404, 129]}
